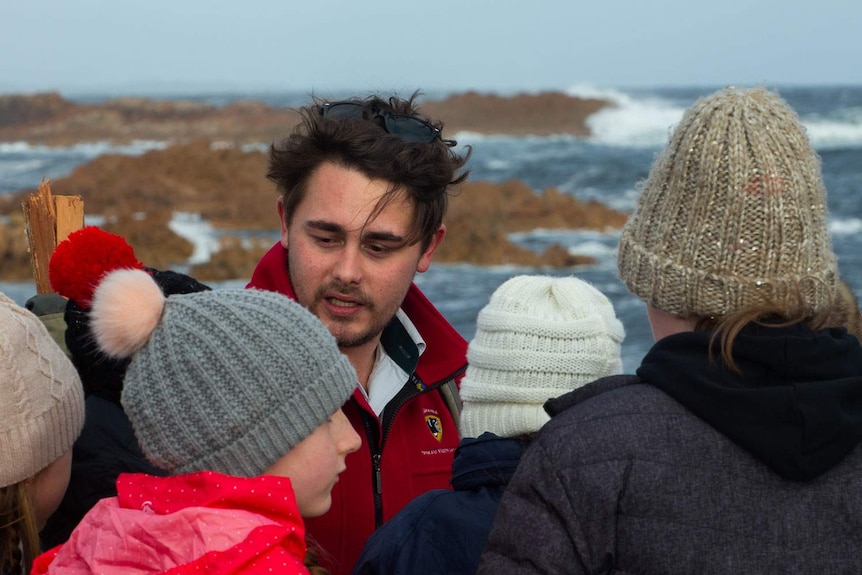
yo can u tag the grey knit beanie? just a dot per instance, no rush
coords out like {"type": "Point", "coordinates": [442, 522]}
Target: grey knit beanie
{"type": "Point", "coordinates": [538, 338]}
{"type": "Point", "coordinates": [41, 399]}
{"type": "Point", "coordinates": [225, 380]}
{"type": "Point", "coordinates": [732, 215]}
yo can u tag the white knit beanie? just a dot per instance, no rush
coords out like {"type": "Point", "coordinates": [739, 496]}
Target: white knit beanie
{"type": "Point", "coordinates": [41, 399]}
{"type": "Point", "coordinates": [539, 337]}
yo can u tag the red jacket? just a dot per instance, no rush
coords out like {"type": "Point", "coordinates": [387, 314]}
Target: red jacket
{"type": "Point", "coordinates": [403, 455]}
{"type": "Point", "coordinates": [202, 522]}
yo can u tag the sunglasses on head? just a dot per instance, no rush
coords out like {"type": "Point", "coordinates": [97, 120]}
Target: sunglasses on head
{"type": "Point", "coordinates": [408, 128]}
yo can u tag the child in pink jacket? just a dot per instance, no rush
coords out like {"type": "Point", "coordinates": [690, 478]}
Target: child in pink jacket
{"type": "Point", "coordinates": [237, 394]}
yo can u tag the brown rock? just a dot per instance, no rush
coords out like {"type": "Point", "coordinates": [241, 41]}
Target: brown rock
{"type": "Point", "coordinates": [236, 258]}
{"type": "Point", "coordinates": [48, 119]}
{"type": "Point", "coordinates": [14, 250]}
{"type": "Point", "coordinates": [138, 195]}
{"type": "Point", "coordinates": [18, 110]}
{"type": "Point", "coordinates": [154, 242]}
{"type": "Point", "coordinates": [524, 114]}
{"type": "Point", "coordinates": [226, 186]}
{"type": "Point", "coordinates": [208, 174]}
{"type": "Point", "coordinates": [482, 214]}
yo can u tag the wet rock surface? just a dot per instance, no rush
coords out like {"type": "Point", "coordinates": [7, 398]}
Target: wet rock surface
{"type": "Point", "coordinates": [207, 172]}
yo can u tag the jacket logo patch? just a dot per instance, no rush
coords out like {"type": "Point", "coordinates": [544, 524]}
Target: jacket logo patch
{"type": "Point", "coordinates": [435, 426]}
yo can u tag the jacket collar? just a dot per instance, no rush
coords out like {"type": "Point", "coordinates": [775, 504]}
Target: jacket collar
{"type": "Point", "coordinates": [446, 353]}
{"type": "Point", "coordinates": [485, 461]}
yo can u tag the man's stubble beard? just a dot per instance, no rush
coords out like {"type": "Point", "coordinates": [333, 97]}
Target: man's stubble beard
{"type": "Point", "coordinates": [344, 339]}
{"type": "Point", "coordinates": [375, 328]}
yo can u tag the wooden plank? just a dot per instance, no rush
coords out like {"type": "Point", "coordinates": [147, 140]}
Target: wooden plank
{"type": "Point", "coordinates": [49, 220]}
{"type": "Point", "coordinates": [41, 239]}
{"type": "Point", "coordinates": [70, 216]}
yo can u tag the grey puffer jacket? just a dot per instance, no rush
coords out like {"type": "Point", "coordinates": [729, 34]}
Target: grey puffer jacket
{"type": "Point", "coordinates": [626, 478]}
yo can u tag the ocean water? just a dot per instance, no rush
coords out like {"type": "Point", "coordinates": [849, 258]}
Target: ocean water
{"type": "Point", "coordinates": [606, 167]}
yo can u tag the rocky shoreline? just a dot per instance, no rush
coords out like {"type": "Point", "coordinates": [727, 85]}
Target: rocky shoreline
{"type": "Point", "coordinates": [51, 120]}
{"type": "Point", "coordinates": [208, 171]}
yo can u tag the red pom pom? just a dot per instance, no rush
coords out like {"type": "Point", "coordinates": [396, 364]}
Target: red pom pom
{"type": "Point", "coordinates": [80, 261]}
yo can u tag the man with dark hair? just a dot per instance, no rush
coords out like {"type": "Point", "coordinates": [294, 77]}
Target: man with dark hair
{"type": "Point", "coordinates": [363, 190]}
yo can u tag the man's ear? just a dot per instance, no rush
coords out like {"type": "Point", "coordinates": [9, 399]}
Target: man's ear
{"type": "Point", "coordinates": [425, 259]}
{"type": "Point", "coordinates": [284, 234]}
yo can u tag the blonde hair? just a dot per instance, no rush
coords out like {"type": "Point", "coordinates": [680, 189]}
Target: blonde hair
{"type": "Point", "coordinates": [845, 310]}
{"type": "Point", "coordinates": [19, 535]}
{"type": "Point", "coordinates": [313, 554]}
{"type": "Point", "coordinates": [773, 313]}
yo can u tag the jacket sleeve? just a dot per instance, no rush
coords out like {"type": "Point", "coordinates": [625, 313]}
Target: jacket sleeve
{"type": "Point", "coordinates": [537, 528]}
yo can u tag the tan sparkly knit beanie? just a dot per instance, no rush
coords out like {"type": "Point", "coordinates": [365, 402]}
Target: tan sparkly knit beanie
{"type": "Point", "coordinates": [41, 399]}
{"type": "Point", "coordinates": [538, 338]}
{"type": "Point", "coordinates": [732, 215]}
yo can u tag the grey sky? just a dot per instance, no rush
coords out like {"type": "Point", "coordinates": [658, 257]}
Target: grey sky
{"type": "Point", "coordinates": [178, 45]}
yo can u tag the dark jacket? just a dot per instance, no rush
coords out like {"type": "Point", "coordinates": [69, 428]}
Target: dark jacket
{"type": "Point", "coordinates": [701, 471]}
{"type": "Point", "coordinates": [407, 451]}
{"type": "Point", "coordinates": [105, 448]}
{"type": "Point", "coordinates": [444, 531]}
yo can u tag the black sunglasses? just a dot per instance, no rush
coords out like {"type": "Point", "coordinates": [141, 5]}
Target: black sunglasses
{"type": "Point", "coordinates": [408, 128]}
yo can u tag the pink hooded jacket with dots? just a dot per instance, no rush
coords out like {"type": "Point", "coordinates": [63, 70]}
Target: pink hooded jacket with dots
{"type": "Point", "coordinates": [202, 522]}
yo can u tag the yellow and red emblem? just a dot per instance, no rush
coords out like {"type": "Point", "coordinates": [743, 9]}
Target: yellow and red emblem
{"type": "Point", "coordinates": [435, 426]}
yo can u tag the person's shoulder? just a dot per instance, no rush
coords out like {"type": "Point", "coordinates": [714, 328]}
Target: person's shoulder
{"type": "Point", "coordinates": [396, 532]}
{"type": "Point", "coordinates": [438, 509]}
{"type": "Point", "coordinates": [416, 535]}
{"type": "Point", "coordinates": [616, 394]}
{"type": "Point", "coordinates": [610, 418]}
{"type": "Point", "coordinates": [420, 508]}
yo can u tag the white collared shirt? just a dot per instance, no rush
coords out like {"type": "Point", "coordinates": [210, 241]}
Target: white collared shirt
{"type": "Point", "coordinates": [387, 378]}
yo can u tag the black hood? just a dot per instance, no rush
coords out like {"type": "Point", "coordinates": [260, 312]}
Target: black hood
{"type": "Point", "coordinates": [796, 404]}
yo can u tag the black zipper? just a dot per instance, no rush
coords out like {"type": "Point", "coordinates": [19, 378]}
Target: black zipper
{"type": "Point", "coordinates": [376, 449]}
{"type": "Point", "coordinates": [407, 393]}
{"type": "Point", "coordinates": [403, 398]}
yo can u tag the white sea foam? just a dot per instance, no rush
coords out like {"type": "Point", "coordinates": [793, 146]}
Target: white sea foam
{"type": "Point", "coordinates": [199, 232]}
{"type": "Point", "coordinates": [632, 121]}
{"type": "Point", "coordinates": [88, 149]}
{"type": "Point", "coordinates": [15, 147]}
{"type": "Point", "coordinates": [591, 91]}
{"type": "Point", "coordinates": [598, 244]}
{"type": "Point", "coordinates": [258, 147]}
{"type": "Point", "coordinates": [466, 137]}
{"type": "Point", "coordinates": [845, 227]}
{"type": "Point", "coordinates": [647, 121]}
{"type": "Point", "coordinates": [641, 124]}
{"type": "Point", "coordinates": [498, 164]}
{"type": "Point", "coordinates": [598, 250]}
{"type": "Point", "coordinates": [565, 236]}
{"type": "Point", "coordinates": [644, 121]}
{"type": "Point", "coordinates": [22, 166]}
{"type": "Point", "coordinates": [829, 134]}
{"type": "Point", "coordinates": [472, 138]}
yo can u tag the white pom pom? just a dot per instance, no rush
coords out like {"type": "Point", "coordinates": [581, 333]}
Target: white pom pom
{"type": "Point", "coordinates": [127, 306]}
